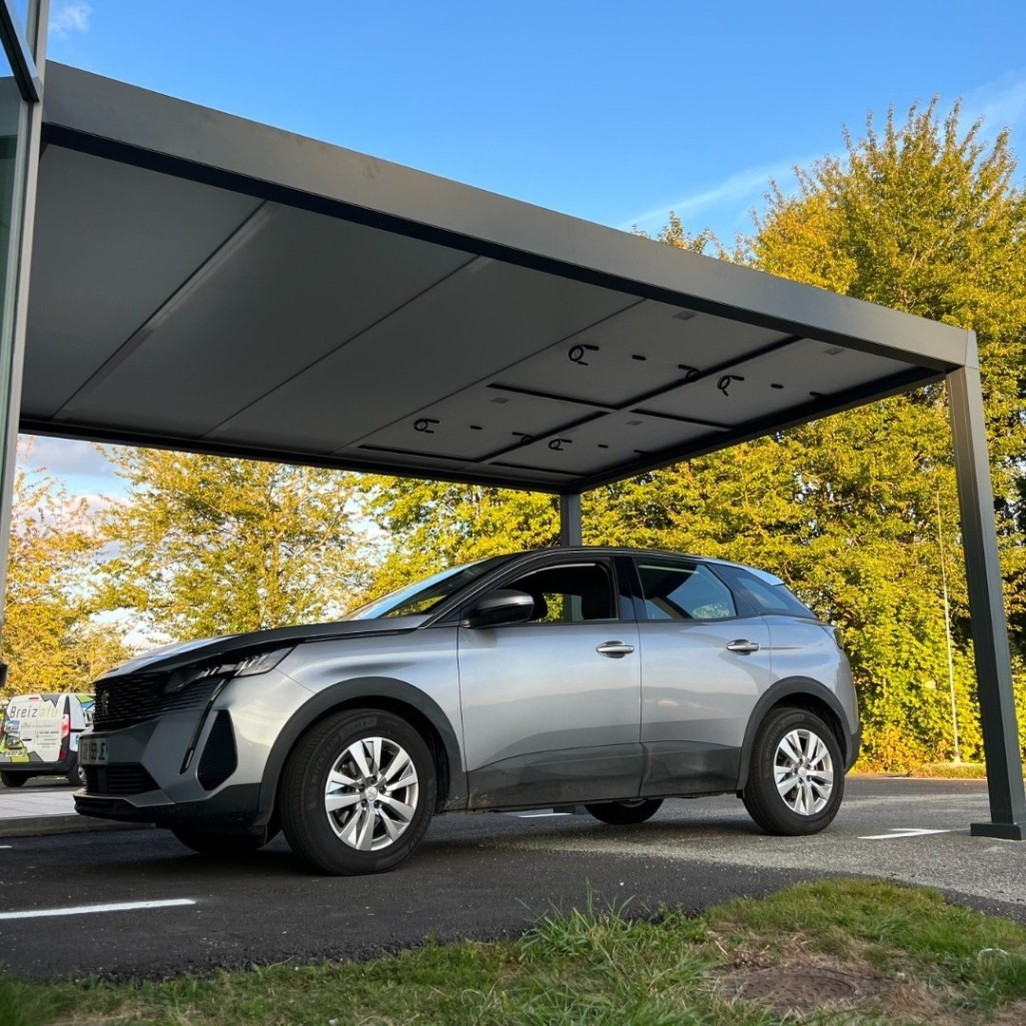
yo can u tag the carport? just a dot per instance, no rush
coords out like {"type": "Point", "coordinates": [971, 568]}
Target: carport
{"type": "Point", "coordinates": [204, 283]}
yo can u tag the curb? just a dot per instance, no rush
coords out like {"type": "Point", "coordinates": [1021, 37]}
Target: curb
{"type": "Point", "coordinates": [38, 826]}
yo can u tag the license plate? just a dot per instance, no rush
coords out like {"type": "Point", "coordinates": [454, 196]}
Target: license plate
{"type": "Point", "coordinates": [93, 751]}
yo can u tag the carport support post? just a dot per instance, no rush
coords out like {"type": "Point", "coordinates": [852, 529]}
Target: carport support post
{"type": "Point", "coordinates": [570, 535]}
{"type": "Point", "coordinates": [569, 520]}
{"type": "Point", "coordinates": [987, 609]}
{"type": "Point", "coordinates": [14, 288]}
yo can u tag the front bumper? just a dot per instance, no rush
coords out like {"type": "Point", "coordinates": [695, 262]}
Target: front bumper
{"type": "Point", "coordinates": [231, 810]}
{"type": "Point", "coordinates": [193, 764]}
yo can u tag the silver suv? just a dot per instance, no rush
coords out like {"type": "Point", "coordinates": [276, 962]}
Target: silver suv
{"type": "Point", "coordinates": [609, 678]}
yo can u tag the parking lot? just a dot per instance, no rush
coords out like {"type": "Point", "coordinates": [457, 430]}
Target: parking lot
{"type": "Point", "coordinates": [127, 903]}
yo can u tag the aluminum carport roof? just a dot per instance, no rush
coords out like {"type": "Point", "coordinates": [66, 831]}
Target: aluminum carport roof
{"type": "Point", "coordinates": [207, 283]}
{"type": "Point", "coordinates": [203, 282]}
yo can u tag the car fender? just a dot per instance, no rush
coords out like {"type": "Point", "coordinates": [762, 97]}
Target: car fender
{"type": "Point", "coordinates": [782, 689]}
{"type": "Point", "coordinates": [347, 692]}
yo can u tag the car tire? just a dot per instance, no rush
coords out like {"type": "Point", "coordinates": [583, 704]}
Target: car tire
{"type": "Point", "coordinates": [794, 747]}
{"type": "Point", "coordinates": [206, 842]}
{"type": "Point", "coordinates": [357, 793]}
{"type": "Point", "coordinates": [76, 776]}
{"type": "Point", "coordinates": [13, 779]}
{"type": "Point", "coordinates": [637, 810]}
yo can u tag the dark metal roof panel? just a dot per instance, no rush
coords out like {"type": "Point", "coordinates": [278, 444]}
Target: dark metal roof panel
{"type": "Point", "coordinates": [204, 282]}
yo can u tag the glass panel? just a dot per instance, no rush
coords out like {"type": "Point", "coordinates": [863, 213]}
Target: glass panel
{"type": "Point", "coordinates": [427, 595]}
{"type": "Point", "coordinates": [568, 594]}
{"type": "Point", "coordinates": [684, 593]}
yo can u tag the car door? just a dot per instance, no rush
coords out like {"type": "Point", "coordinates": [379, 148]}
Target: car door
{"type": "Point", "coordinates": [703, 668]}
{"type": "Point", "coordinates": [551, 706]}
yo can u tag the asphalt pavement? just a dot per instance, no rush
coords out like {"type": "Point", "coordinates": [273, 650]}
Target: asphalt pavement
{"type": "Point", "coordinates": [136, 904]}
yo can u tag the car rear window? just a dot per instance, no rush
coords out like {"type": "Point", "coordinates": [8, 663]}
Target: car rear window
{"type": "Point", "coordinates": [677, 592]}
{"type": "Point", "coordinates": [767, 598]}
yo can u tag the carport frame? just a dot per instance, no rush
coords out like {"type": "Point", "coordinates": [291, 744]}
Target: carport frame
{"type": "Point", "coordinates": [237, 155]}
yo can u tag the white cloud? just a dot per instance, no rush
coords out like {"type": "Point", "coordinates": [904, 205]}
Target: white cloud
{"type": "Point", "coordinates": [1001, 103]}
{"type": "Point", "coordinates": [65, 456]}
{"type": "Point", "coordinates": [69, 17]}
{"type": "Point", "coordinates": [737, 193]}
{"type": "Point", "coordinates": [77, 465]}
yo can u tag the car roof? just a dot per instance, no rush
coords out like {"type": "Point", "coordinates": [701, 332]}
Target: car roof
{"type": "Point", "coordinates": [618, 550]}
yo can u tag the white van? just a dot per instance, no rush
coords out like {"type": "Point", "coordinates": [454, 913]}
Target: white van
{"type": "Point", "coordinates": [39, 737]}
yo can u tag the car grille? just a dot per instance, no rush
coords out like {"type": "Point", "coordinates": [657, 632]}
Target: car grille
{"type": "Point", "coordinates": [125, 701]}
{"type": "Point", "coordinates": [118, 779]}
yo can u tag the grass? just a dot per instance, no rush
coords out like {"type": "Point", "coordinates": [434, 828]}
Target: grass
{"type": "Point", "coordinates": [916, 959]}
{"type": "Point", "coordinates": [952, 770]}
{"type": "Point", "coordinates": [941, 770]}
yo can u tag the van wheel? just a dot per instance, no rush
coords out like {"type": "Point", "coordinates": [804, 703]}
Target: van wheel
{"type": "Point", "coordinates": [77, 777]}
{"type": "Point", "coordinates": [357, 793]}
{"type": "Point", "coordinates": [13, 779]}
{"type": "Point", "coordinates": [226, 845]}
{"type": "Point", "coordinates": [621, 813]}
{"type": "Point", "coordinates": [796, 779]}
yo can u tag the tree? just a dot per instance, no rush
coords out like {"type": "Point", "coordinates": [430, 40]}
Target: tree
{"type": "Point", "coordinates": [435, 524]}
{"type": "Point", "coordinates": [204, 545]}
{"type": "Point", "coordinates": [51, 642]}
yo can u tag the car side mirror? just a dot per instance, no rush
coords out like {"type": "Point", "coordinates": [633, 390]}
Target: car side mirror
{"type": "Point", "coordinates": [499, 607]}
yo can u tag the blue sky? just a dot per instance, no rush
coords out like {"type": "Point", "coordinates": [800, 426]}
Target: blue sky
{"type": "Point", "coordinates": [614, 112]}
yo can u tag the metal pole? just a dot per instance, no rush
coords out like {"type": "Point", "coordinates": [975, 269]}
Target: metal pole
{"type": "Point", "coordinates": [570, 535]}
{"type": "Point", "coordinates": [986, 610]}
{"type": "Point", "coordinates": [947, 629]}
{"type": "Point", "coordinates": [569, 520]}
{"type": "Point", "coordinates": [15, 288]}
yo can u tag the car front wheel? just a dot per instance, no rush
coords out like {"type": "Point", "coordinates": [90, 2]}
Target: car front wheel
{"type": "Point", "coordinates": [357, 793]}
{"type": "Point", "coordinates": [13, 779]}
{"type": "Point", "coordinates": [796, 778]}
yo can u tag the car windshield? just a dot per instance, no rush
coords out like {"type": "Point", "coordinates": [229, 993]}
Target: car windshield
{"type": "Point", "coordinates": [426, 595]}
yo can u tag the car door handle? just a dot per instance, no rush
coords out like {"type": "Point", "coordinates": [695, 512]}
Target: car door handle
{"type": "Point", "coordinates": [614, 649]}
{"type": "Point", "coordinates": [743, 645]}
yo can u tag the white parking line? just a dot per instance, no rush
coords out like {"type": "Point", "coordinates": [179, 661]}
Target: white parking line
{"type": "Point", "coordinates": [896, 832]}
{"type": "Point", "coordinates": [537, 815]}
{"type": "Point", "coordinates": [83, 910]}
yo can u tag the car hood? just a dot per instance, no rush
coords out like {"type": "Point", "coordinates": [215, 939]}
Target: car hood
{"type": "Point", "coordinates": [171, 657]}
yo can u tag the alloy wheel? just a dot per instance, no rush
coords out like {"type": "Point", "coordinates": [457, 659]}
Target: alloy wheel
{"type": "Point", "coordinates": [371, 794]}
{"type": "Point", "coordinates": [804, 772]}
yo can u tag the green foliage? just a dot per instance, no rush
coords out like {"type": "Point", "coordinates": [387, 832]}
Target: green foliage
{"type": "Point", "coordinates": [431, 525]}
{"type": "Point", "coordinates": [206, 546]}
{"type": "Point", "coordinates": [51, 641]}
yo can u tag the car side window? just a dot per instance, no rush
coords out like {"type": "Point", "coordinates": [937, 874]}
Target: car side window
{"type": "Point", "coordinates": [684, 592]}
{"type": "Point", "coordinates": [574, 593]}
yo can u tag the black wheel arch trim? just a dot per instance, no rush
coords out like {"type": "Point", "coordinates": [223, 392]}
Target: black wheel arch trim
{"type": "Point", "coordinates": [348, 692]}
{"type": "Point", "coordinates": [804, 687]}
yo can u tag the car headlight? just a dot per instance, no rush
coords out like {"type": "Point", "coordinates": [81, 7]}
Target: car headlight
{"type": "Point", "coordinates": [248, 666]}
